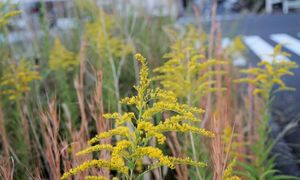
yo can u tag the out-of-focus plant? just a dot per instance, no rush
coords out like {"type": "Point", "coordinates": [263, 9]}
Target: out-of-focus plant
{"type": "Point", "coordinates": [235, 50]}
{"type": "Point", "coordinates": [186, 72]}
{"type": "Point", "coordinates": [268, 76]}
{"type": "Point", "coordinates": [228, 173]}
{"type": "Point", "coordinates": [267, 79]}
{"type": "Point", "coordinates": [231, 152]}
{"type": "Point", "coordinates": [229, 141]}
{"type": "Point", "coordinates": [62, 59]}
{"type": "Point", "coordinates": [16, 79]}
{"type": "Point", "coordinates": [102, 36]}
{"type": "Point", "coordinates": [133, 144]}
{"type": "Point", "coordinates": [4, 17]}
{"type": "Point", "coordinates": [106, 39]}
{"type": "Point", "coordinates": [236, 46]}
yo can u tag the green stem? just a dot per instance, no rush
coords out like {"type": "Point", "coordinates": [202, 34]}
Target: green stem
{"type": "Point", "coordinates": [140, 176]}
{"type": "Point", "coordinates": [189, 102]}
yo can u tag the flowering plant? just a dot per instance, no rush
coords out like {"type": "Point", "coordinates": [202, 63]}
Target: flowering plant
{"type": "Point", "coordinates": [136, 129]}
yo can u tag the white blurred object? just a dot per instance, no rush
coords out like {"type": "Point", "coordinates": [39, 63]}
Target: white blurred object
{"type": "Point", "coordinates": [286, 5]}
{"type": "Point", "coordinates": [65, 23]}
{"type": "Point", "coordinates": [140, 7]}
{"type": "Point", "coordinates": [239, 60]}
{"type": "Point", "coordinates": [229, 4]}
{"type": "Point", "coordinates": [270, 3]}
{"type": "Point", "coordinates": [28, 1]}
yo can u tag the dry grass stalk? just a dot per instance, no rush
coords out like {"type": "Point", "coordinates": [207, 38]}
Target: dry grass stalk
{"type": "Point", "coordinates": [50, 131]}
{"type": "Point", "coordinates": [96, 108]}
{"type": "Point", "coordinates": [221, 151]}
{"type": "Point", "coordinates": [25, 124]}
{"type": "Point", "coordinates": [68, 152]}
{"type": "Point", "coordinates": [79, 86]}
{"type": "Point", "coordinates": [5, 143]}
{"type": "Point", "coordinates": [211, 48]}
{"type": "Point", "coordinates": [6, 168]}
{"type": "Point", "coordinates": [240, 139]}
{"type": "Point", "coordinates": [217, 153]}
{"type": "Point", "coordinates": [175, 147]}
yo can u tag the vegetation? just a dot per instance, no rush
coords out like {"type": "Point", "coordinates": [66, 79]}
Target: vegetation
{"type": "Point", "coordinates": [68, 109]}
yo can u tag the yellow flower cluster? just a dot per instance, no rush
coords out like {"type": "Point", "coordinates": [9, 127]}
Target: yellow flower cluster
{"type": "Point", "coordinates": [186, 71]}
{"type": "Point", "coordinates": [17, 78]}
{"type": "Point", "coordinates": [121, 145]}
{"type": "Point", "coordinates": [169, 125]}
{"type": "Point", "coordinates": [62, 59]}
{"type": "Point", "coordinates": [268, 74]}
{"type": "Point", "coordinates": [155, 153]}
{"type": "Point", "coordinates": [120, 119]}
{"type": "Point", "coordinates": [95, 178]}
{"type": "Point", "coordinates": [133, 144]}
{"type": "Point", "coordinates": [235, 49]}
{"type": "Point", "coordinates": [101, 35]}
{"type": "Point", "coordinates": [98, 147]}
{"type": "Point", "coordinates": [99, 178]}
{"type": "Point", "coordinates": [229, 138]}
{"type": "Point", "coordinates": [121, 131]}
{"type": "Point", "coordinates": [150, 131]}
{"type": "Point", "coordinates": [5, 17]}
{"type": "Point", "coordinates": [97, 163]}
{"type": "Point", "coordinates": [144, 83]}
{"type": "Point", "coordinates": [162, 106]}
{"type": "Point", "coordinates": [227, 175]}
{"type": "Point", "coordinates": [187, 160]}
{"type": "Point", "coordinates": [175, 126]}
{"type": "Point", "coordinates": [165, 96]}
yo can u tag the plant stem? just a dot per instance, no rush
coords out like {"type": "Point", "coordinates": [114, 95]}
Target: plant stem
{"type": "Point", "coordinates": [189, 102]}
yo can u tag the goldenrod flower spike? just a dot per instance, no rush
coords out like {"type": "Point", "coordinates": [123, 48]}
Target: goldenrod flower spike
{"type": "Point", "coordinates": [17, 78]}
{"type": "Point", "coordinates": [98, 147]}
{"type": "Point", "coordinates": [186, 71]}
{"type": "Point", "coordinates": [96, 163]}
{"type": "Point", "coordinates": [62, 59]}
{"type": "Point", "coordinates": [5, 17]}
{"type": "Point", "coordinates": [228, 173]}
{"type": "Point", "coordinates": [268, 74]}
{"type": "Point", "coordinates": [133, 145]}
{"type": "Point", "coordinates": [95, 178]}
{"type": "Point", "coordinates": [121, 131]}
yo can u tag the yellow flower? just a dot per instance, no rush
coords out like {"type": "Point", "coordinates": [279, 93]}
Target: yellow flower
{"type": "Point", "coordinates": [186, 71]}
{"type": "Point", "coordinates": [175, 126]}
{"type": "Point", "coordinates": [268, 74]}
{"type": "Point", "coordinates": [188, 161]}
{"type": "Point", "coordinates": [129, 101]}
{"type": "Point", "coordinates": [62, 59]}
{"type": "Point", "coordinates": [120, 119]}
{"type": "Point", "coordinates": [121, 145]}
{"type": "Point", "coordinates": [98, 147]}
{"type": "Point", "coordinates": [100, 34]}
{"type": "Point", "coordinates": [95, 178]}
{"type": "Point", "coordinates": [155, 153]}
{"type": "Point", "coordinates": [5, 17]}
{"type": "Point", "coordinates": [122, 131]}
{"type": "Point", "coordinates": [17, 78]}
{"type": "Point", "coordinates": [133, 144]}
{"type": "Point", "coordinates": [227, 175]}
{"type": "Point", "coordinates": [98, 164]}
